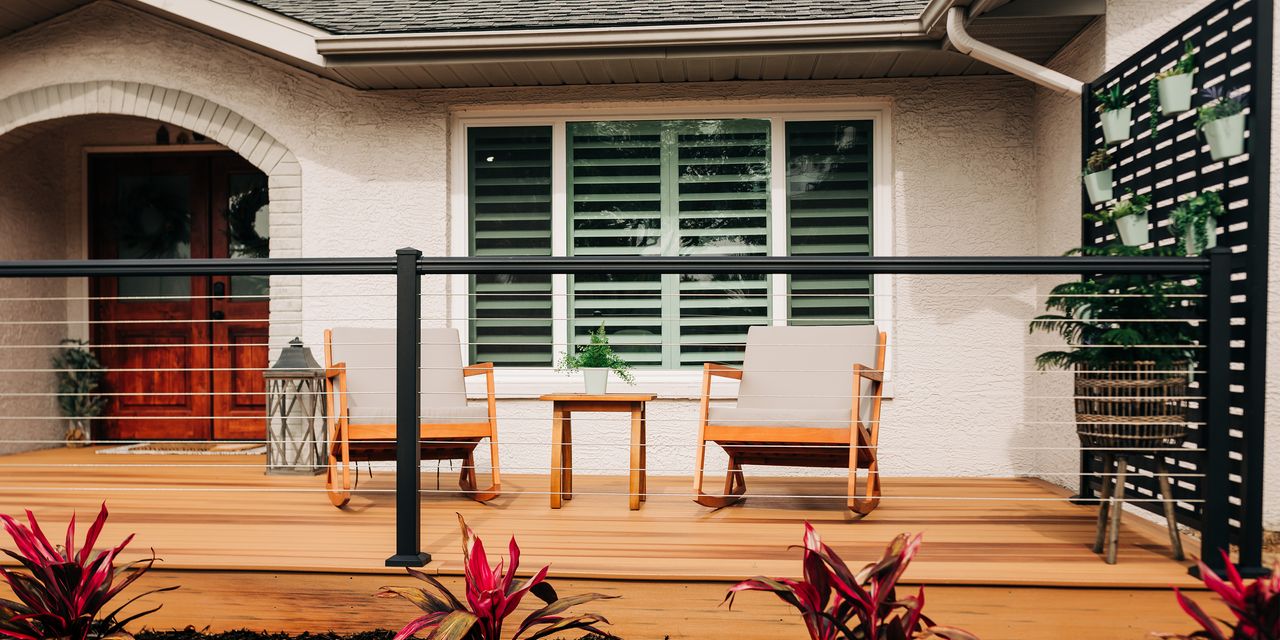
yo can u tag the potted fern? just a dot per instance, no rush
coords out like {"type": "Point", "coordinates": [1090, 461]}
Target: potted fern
{"type": "Point", "coordinates": [1117, 115]}
{"type": "Point", "coordinates": [1131, 218]}
{"type": "Point", "coordinates": [1129, 341]}
{"type": "Point", "coordinates": [1221, 120]}
{"type": "Point", "coordinates": [1097, 176]}
{"type": "Point", "coordinates": [596, 360]}
{"type": "Point", "coordinates": [1196, 220]}
{"type": "Point", "coordinates": [79, 375]}
{"type": "Point", "coordinates": [1172, 87]}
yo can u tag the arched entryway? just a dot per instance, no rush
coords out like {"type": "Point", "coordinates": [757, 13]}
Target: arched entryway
{"type": "Point", "coordinates": [194, 179]}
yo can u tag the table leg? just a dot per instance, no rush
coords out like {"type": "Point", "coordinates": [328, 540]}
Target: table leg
{"type": "Point", "coordinates": [557, 455]}
{"type": "Point", "coordinates": [637, 439]}
{"type": "Point", "coordinates": [644, 455]}
{"type": "Point", "coordinates": [566, 485]}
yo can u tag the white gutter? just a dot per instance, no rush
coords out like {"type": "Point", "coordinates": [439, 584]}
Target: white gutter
{"type": "Point", "coordinates": [1001, 59]}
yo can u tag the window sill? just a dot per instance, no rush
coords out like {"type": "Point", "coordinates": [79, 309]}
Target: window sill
{"type": "Point", "coordinates": [667, 384]}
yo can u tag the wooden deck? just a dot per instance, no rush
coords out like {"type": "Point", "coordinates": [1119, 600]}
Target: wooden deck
{"type": "Point", "coordinates": [270, 552]}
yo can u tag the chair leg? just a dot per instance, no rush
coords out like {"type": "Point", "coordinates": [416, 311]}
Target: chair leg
{"type": "Point", "coordinates": [337, 482]}
{"type": "Point", "coordinates": [1104, 502]}
{"type": "Point", "coordinates": [495, 487]}
{"type": "Point", "coordinates": [735, 487]}
{"type": "Point", "coordinates": [863, 506]}
{"type": "Point", "coordinates": [1117, 508]}
{"type": "Point", "coordinates": [1170, 510]}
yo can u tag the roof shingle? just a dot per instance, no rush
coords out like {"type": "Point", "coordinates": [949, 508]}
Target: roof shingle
{"type": "Point", "coordinates": [356, 17]}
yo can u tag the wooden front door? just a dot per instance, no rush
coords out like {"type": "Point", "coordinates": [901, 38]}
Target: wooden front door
{"type": "Point", "coordinates": [184, 354]}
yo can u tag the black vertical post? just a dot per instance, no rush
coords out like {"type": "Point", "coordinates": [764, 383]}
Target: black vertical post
{"type": "Point", "coordinates": [1085, 494]}
{"type": "Point", "coordinates": [408, 387]}
{"type": "Point", "coordinates": [1215, 489]}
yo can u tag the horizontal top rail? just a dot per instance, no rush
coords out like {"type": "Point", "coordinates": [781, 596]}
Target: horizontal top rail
{"type": "Point", "coordinates": [937, 265]}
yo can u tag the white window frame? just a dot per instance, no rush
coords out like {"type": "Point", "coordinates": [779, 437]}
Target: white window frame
{"type": "Point", "coordinates": [667, 383]}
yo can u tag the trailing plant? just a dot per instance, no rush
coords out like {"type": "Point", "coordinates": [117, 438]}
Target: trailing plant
{"type": "Point", "coordinates": [242, 218]}
{"type": "Point", "coordinates": [79, 374]}
{"type": "Point", "coordinates": [597, 354]}
{"type": "Point", "coordinates": [838, 604]}
{"type": "Point", "coordinates": [1186, 64]}
{"type": "Point", "coordinates": [1190, 216]}
{"type": "Point", "coordinates": [1220, 105]}
{"type": "Point", "coordinates": [492, 595]}
{"type": "Point", "coordinates": [1110, 99]}
{"type": "Point", "coordinates": [1256, 606]}
{"type": "Point", "coordinates": [1135, 204]}
{"type": "Point", "coordinates": [1112, 320]}
{"type": "Point", "coordinates": [64, 592]}
{"type": "Point", "coordinates": [1099, 160]}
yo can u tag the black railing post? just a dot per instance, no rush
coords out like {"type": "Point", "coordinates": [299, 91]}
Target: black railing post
{"type": "Point", "coordinates": [408, 387]}
{"type": "Point", "coordinates": [1215, 534]}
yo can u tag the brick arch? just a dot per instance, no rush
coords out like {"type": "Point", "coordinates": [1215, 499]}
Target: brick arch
{"type": "Point", "coordinates": [26, 111]}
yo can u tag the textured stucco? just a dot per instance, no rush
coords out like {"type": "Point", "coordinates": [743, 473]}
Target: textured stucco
{"type": "Point", "coordinates": [980, 166]}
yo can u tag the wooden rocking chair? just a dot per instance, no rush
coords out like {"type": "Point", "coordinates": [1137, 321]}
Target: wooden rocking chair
{"type": "Point", "coordinates": [809, 397]}
{"type": "Point", "coordinates": [360, 367]}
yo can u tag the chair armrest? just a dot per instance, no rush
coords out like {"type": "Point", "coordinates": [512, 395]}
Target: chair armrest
{"type": "Point", "coordinates": [336, 370]}
{"type": "Point", "coordinates": [864, 371]}
{"type": "Point", "coordinates": [722, 370]}
{"type": "Point", "coordinates": [478, 369]}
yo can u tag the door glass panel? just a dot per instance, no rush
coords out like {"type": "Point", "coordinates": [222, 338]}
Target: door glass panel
{"type": "Point", "coordinates": [153, 220]}
{"type": "Point", "coordinates": [248, 224]}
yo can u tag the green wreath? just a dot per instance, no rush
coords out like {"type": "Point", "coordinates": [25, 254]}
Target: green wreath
{"type": "Point", "coordinates": [158, 221]}
{"type": "Point", "coordinates": [241, 216]}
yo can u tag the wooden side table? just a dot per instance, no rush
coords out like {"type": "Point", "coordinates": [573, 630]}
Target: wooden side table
{"type": "Point", "coordinates": [562, 408]}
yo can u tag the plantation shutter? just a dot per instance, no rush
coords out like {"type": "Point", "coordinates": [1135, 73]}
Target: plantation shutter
{"type": "Point", "coordinates": [669, 188]}
{"type": "Point", "coordinates": [829, 196]}
{"type": "Point", "coordinates": [509, 198]}
{"type": "Point", "coordinates": [616, 174]}
{"type": "Point", "coordinates": [722, 178]}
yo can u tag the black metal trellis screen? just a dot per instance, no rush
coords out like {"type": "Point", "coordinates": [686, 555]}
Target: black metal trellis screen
{"type": "Point", "coordinates": [1232, 41]}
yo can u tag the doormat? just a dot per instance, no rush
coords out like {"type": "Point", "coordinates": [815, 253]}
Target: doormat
{"type": "Point", "coordinates": [189, 448]}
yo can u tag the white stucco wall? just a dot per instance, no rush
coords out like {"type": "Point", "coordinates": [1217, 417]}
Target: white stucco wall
{"type": "Point", "coordinates": [374, 177]}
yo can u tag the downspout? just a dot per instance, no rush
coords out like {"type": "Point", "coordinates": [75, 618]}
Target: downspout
{"type": "Point", "coordinates": [965, 43]}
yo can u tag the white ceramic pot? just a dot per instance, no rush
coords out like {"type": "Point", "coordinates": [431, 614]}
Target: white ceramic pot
{"type": "Point", "coordinates": [1210, 234]}
{"type": "Point", "coordinates": [1116, 124]}
{"type": "Point", "coordinates": [1225, 136]}
{"type": "Point", "coordinates": [596, 380]}
{"type": "Point", "coordinates": [1175, 93]}
{"type": "Point", "coordinates": [1134, 230]}
{"type": "Point", "coordinates": [1098, 184]}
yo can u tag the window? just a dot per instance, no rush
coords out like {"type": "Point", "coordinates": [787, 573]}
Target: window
{"type": "Point", "coordinates": [664, 187]}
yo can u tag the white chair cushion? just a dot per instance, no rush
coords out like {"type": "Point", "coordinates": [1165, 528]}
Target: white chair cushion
{"type": "Point", "coordinates": [747, 417]}
{"type": "Point", "coordinates": [370, 356]}
{"type": "Point", "coordinates": [805, 369]}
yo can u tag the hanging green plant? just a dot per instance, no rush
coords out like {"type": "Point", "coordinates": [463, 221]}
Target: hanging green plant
{"type": "Point", "coordinates": [242, 217]}
{"type": "Point", "coordinates": [1194, 220]}
{"type": "Point", "coordinates": [1170, 90]}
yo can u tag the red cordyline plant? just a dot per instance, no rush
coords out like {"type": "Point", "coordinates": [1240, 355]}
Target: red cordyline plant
{"type": "Point", "coordinates": [492, 595]}
{"type": "Point", "coordinates": [1256, 606]}
{"type": "Point", "coordinates": [63, 595]}
{"type": "Point", "coordinates": [838, 604]}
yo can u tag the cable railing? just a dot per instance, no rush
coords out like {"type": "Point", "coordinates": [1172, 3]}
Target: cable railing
{"type": "Point", "coordinates": [406, 404]}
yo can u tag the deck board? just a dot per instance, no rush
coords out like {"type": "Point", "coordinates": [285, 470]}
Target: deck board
{"type": "Point", "coordinates": [222, 513]}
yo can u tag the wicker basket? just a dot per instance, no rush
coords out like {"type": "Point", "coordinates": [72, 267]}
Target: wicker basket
{"type": "Point", "coordinates": [1131, 406]}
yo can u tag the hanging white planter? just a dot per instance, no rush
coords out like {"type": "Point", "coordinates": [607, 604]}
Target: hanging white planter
{"type": "Point", "coordinates": [1175, 93]}
{"type": "Point", "coordinates": [596, 380]}
{"type": "Point", "coordinates": [1225, 136]}
{"type": "Point", "coordinates": [1098, 184]}
{"type": "Point", "coordinates": [1116, 124]}
{"type": "Point", "coordinates": [1208, 231]}
{"type": "Point", "coordinates": [1133, 229]}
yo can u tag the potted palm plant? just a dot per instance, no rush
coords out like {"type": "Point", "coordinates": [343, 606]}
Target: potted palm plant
{"type": "Point", "coordinates": [1117, 115]}
{"type": "Point", "coordinates": [1131, 217]}
{"type": "Point", "coordinates": [1129, 341]}
{"type": "Point", "coordinates": [1221, 120]}
{"type": "Point", "coordinates": [1097, 176]}
{"type": "Point", "coordinates": [1171, 88]}
{"type": "Point", "coordinates": [596, 360]}
{"type": "Point", "coordinates": [79, 374]}
{"type": "Point", "coordinates": [1195, 221]}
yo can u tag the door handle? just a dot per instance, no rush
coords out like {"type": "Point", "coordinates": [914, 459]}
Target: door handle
{"type": "Point", "coordinates": [218, 315]}
{"type": "Point", "coordinates": [219, 290]}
